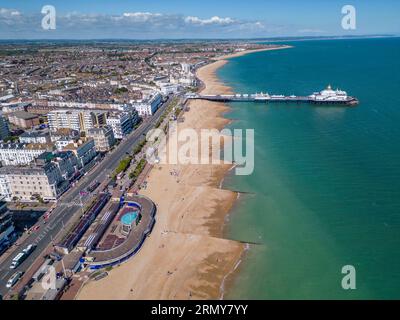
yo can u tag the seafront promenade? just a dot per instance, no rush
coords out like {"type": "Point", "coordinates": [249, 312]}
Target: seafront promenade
{"type": "Point", "coordinates": [98, 259]}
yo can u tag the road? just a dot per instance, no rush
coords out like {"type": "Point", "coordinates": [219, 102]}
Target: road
{"type": "Point", "coordinates": [69, 205]}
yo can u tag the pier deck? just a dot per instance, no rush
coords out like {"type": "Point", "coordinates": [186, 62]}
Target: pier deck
{"type": "Point", "coordinates": [267, 98]}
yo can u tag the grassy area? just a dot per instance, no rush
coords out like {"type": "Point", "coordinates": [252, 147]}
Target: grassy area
{"type": "Point", "coordinates": [137, 124]}
{"type": "Point", "coordinates": [177, 112]}
{"type": "Point", "coordinates": [138, 170]}
{"type": "Point", "coordinates": [120, 90]}
{"type": "Point", "coordinates": [15, 52]}
{"type": "Point", "coordinates": [165, 129]}
{"type": "Point", "coordinates": [123, 165]}
{"type": "Point", "coordinates": [11, 139]}
{"type": "Point", "coordinates": [171, 106]}
{"type": "Point", "coordinates": [95, 274]}
{"type": "Point", "coordinates": [139, 147]}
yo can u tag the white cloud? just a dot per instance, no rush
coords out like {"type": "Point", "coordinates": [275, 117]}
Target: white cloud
{"type": "Point", "coordinates": [213, 20]}
{"type": "Point", "coordinates": [9, 12]}
{"type": "Point", "coordinates": [134, 25]}
{"type": "Point", "coordinates": [141, 16]}
{"type": "Point", "coordinates": [9, 19]}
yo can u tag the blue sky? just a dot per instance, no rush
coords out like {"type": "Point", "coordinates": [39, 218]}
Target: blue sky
{"type": "Point", "coordinates": [138, 19]}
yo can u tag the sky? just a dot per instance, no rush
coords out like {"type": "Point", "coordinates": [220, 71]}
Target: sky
{"type": "Point", "coordinates": [182, 19]}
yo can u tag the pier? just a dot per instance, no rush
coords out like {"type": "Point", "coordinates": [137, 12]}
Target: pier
{"type": "Point", "coordinates": [327, 96]}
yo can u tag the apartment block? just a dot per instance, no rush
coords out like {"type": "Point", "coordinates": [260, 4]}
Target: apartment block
{"type": "Point", "coordinates": [80, 120]}
{"type": "Point", "coordinates": [121, 124]}
{"type": "Point", "coordinates": [103, 138]}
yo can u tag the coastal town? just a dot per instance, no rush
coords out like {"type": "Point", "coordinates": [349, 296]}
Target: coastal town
{"type": "Point", "coordinates": [198, 159]}
{"type": "Point", "coordinates": [75, 186]}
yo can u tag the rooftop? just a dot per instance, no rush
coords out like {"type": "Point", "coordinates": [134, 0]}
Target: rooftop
{"type": "Point", "coordinates": [23, 115]}
{"type": "Point", "coordinates": [22, 146]}
{"type": "Point", "coordinates": [34, 134]}
{"type": "Point", "coordinates": [27, 170]}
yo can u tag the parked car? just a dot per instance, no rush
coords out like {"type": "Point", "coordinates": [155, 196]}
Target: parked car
{"type": "Point", "coordinates": [14, 279]}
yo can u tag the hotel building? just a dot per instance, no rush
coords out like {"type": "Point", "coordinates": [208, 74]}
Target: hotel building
{"type": "Point", "coordinates": [29, 183]}
{"type": "Point", "coordinates": [149, 106]}
{"type": "Point", "coordinates": [66, 161]}
{"type": "Point", "coordinates": [21, 153]}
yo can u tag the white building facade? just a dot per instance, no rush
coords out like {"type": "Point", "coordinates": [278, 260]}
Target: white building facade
{"type": "Point", "coordinates": [149, 106]}
{"type": "Point", "coordinates": [79, 120]}
{"type": "Point", "coordinates": [121, 124]}
{"type": "Point", "coordinates": [20, 153]}
{"type": "Point", "coordinates": [28, 183]}
{"type": "Point", "coordinates": [35, 137]}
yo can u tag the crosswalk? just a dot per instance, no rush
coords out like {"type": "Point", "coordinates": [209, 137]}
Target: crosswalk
{"type": "Point", "coordinates": [77, 202]}
{"type": "Point", "coordinates": [41, 236]}
{"type": "Point", "coordinates": [59, 219]}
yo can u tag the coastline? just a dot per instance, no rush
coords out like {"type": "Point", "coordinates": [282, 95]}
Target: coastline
{"type": "Point", "coordinates": [245, 52]}
{"type": "Point", "coordinates": [186, 256]}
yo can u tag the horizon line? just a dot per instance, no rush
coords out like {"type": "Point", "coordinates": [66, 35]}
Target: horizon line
{"type": "Point", "coordinates": [208, 39]}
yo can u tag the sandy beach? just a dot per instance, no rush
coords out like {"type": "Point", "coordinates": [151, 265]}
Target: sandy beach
{"type": "Point", "coordinates": [244, 52]}
{"type": "Point", "coordinates": [186, 256]}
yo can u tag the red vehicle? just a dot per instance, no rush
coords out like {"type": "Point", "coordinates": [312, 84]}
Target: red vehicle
{"type": "Point", "coordinates": [46, 216]}
{"type": "Point", "coordinates": [35, 228]}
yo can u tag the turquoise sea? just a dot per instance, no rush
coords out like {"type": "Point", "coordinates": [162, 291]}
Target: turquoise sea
{"type": "Point", "coordinates": [326, 187]}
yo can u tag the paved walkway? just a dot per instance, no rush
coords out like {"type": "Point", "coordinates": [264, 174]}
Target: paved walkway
{"type": "Point", "coordinates": [141, 179]}
{"type": "Point", "coordinates": [74, 286]}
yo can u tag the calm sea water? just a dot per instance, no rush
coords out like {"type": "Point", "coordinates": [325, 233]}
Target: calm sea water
{"type": "Point", "coordinates": [326, 188]}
